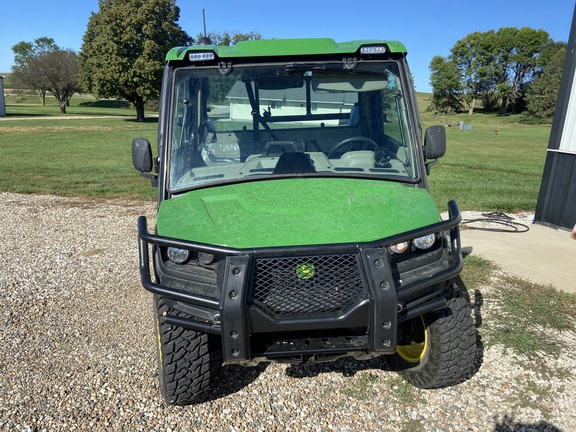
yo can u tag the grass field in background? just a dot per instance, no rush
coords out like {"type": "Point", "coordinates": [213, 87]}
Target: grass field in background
{"type": "Point", "coordinates": [496, 165]}
{"type": "Point", "coordinates": [485, 171]}
{"type": "Point", "coordinates": [28, 105]}
{"type": "Point", "coordinates": [91, 157]}
{"type": "Point", "coordinates": [482, 170]}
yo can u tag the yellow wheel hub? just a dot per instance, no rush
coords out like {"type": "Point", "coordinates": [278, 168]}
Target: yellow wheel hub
{"type": "Point", "coordinates": [414, 352]}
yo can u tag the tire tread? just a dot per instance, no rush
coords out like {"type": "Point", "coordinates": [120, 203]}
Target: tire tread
{"type": "Point", "coordinates": [184, 363]}
{"type": "Point", "coordinates": [453, 346]}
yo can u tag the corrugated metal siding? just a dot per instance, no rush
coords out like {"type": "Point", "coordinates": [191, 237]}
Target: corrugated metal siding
{"type": "Point", "coordinates": [557, 198]}
{"type": "Point", "coordinates": [2, 104]}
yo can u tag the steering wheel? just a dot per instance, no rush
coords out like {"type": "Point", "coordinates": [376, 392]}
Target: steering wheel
{"type": "Point", "coordinates": [347, 141]}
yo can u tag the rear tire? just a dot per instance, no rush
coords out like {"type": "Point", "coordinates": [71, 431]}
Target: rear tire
{"type": "Point", "coordinates": [184, 359]}
{"type": "Point", "coordinates": [442, 348]}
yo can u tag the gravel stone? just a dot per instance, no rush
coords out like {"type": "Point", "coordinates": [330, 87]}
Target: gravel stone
{"type": "Point", "coordinates": [78, 351]}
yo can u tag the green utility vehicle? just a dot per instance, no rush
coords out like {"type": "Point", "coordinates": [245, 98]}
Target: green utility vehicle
{"type": "Point", "coordinates": [294, 222]}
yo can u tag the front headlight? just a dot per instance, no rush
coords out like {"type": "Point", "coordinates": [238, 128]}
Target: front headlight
{"type": "Point", "coordinates": [400, 248]}
{"type": "Point", "coordinates": [424, 242]}
{"type": "Point", "coordinates": [178, 255]}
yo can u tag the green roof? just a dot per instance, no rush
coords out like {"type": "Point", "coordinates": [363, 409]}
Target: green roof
{"type": "Point", "coordinates": [285, 47]}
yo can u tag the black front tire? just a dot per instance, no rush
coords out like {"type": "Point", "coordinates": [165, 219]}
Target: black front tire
{"type": "Point", "coordinates": [185, 358]}
{"type": "Point", "coordinates": [441, 349]}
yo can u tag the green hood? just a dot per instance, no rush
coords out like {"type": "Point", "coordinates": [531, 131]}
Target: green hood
{"type": "Point", "coordinates": [292, 212]}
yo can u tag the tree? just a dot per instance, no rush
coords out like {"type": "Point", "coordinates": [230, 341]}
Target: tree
{"type": "Point", "coordinates": [24, 54]}
{"type": "Point", "coordinates": [124, 48]}
{"type": "Point", "coordinates": [542, 94]}
{"type": "Point", "coordinates": [46, 68]}
{"type": "Point", "coordinates": [59, 70]}
{"type": "Point", "coordinates": [446, 85]}
{"type": "Point", "coordinates": [519, 56]}
{"type": "Point", "coordinates": [472, 58]}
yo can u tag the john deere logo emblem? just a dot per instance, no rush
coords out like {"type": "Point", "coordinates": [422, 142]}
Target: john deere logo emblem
{"type": "Point", "coordinates": [305, 271]}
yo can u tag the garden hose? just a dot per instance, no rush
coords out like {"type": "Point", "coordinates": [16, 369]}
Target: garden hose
{"type": "Point", "coordinates": [496, 218]}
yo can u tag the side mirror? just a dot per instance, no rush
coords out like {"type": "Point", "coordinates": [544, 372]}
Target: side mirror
{"type": "Point", "coordinates": [435, 142]}
{"type": "Point", "coordinates": [142, 155]}
{"type": "Point", "coordinates": [142, 159]}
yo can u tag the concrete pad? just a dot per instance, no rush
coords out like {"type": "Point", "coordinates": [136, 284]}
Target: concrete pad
{"type": "Point", "coordinates": [543, 254]}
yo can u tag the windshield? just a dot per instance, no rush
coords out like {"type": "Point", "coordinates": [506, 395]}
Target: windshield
{"type": "Point", "coordinates": [307, 120]}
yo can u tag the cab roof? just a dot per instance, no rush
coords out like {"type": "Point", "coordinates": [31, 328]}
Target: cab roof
{"type": "Point", "coordinates": [286, 47]}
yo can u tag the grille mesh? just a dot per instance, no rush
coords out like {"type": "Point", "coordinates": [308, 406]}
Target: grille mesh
{"type": "Point", "coordinates": [292, 286]}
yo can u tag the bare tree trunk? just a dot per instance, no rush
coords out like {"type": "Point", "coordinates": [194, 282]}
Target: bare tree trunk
{"type": "Point", "coordinates": [139, 105]}
{"type": "Point", "coordinates": [42, 96]}
{"type": "Point", "coordinates": [471, 106]}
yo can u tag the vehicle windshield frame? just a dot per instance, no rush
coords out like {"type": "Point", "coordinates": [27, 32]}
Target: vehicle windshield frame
{"type": "Point", "coordinates": [245, 139]}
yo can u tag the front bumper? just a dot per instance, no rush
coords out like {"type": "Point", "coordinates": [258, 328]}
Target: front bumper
{"type": "Point", "coordinates": [263, 309]}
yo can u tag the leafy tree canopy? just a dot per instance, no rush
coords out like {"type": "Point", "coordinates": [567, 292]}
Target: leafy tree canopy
{"type": "Point", "coordinates": [447, 87]}
{"type": "Point", "coordinates": [124, 48]}
{"type": "Point", "coordinates": [43, 66]}
{"type": "Point", "coordinates": [26, 51]}
{"type": "Point", "coordinates": [496, 67]}
{"type": "Point", "coordinates": [542, 94]}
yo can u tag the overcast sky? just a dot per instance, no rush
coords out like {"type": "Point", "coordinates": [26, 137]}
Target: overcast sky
{"type": "Point", "coordinates": [427, 28]}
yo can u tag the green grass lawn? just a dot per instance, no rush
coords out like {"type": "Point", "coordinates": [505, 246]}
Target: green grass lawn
{"type": "Point", "coordinates": [497, 165]}
{"type": "Point", "coordinates": [28, 105]}
{"type": "Point", "coordinates": [482, 170]}
{"type": "Point", "coordinates": [90, 157]}
{"type": "Point", "coordinates": [485, 171]}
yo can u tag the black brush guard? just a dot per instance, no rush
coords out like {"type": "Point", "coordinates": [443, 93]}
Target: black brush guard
{"type": "Point", "coordinates": [352, 305]}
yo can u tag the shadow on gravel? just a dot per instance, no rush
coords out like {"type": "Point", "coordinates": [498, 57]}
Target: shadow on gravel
{"type": "Point", "coordinates": [231, 379]}
{"type": "Point", "coordinates": [509, 425]}
{"type": "Point", "coordinates": [476, 309]}
{"type": "Point", "coordinates": [347, 367]}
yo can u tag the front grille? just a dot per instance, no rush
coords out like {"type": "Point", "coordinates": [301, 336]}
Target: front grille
{"type": "Point", "coordinates": [292, 286]}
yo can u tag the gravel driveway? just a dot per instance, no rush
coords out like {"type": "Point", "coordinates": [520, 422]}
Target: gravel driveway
{"type": "Point", "coordinates": [78, 351]}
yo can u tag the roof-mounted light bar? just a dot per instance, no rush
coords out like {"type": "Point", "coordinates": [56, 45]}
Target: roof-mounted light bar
{"type": "Point", "coordinates": [201, 56]}
{"type": "Point", "coordinates": [373, 50]}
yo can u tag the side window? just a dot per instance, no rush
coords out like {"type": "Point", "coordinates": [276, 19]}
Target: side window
{"type": "Point", "coordinates": [396, 124]}
{"type": "Point", "coordinates": [183, 153]}
{"type": "Point", "coordinates": [392, 110]}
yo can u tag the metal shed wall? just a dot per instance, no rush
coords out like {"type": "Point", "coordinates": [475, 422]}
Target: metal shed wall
{"type": "Point", "coordinates": [2, 102]}
{"type": "Point", "coordinates": [557, 199]}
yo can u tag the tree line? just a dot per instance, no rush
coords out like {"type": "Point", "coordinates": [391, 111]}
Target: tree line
{"type": "Point", "coordinates": [510, 70]}
{"type": "Point", "coordinates": [122, 57]}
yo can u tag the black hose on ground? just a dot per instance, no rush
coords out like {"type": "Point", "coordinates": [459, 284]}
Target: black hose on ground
{"type": "Point", "coordinates": [496, 218]}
